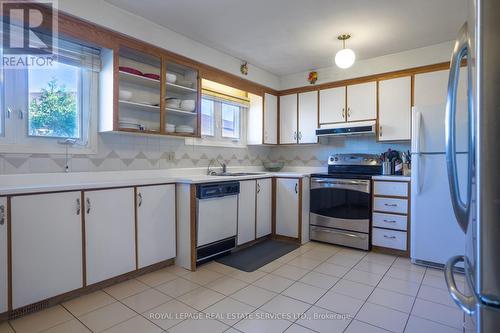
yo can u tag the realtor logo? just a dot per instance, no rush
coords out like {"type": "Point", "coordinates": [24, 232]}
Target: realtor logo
{"type": "Point", "coordinates": [28, 33]}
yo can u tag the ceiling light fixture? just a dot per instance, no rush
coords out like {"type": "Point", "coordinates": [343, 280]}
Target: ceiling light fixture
{"type": "Point", "coordinates": [345, 57]}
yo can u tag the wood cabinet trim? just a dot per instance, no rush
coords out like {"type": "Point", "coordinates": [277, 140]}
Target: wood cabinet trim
{"type": "Point", "coordinates": [192, 189]}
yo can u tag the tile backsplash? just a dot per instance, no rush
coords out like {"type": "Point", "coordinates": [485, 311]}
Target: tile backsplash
{"type": "Point", "coordinates": [134, 152]}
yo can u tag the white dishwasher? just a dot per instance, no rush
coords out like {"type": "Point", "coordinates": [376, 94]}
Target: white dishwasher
{"type": "Point", "coordinates": [216, 219]}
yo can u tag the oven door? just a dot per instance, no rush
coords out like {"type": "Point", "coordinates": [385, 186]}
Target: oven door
{"type": "Point", "coordinates": [341, 203]}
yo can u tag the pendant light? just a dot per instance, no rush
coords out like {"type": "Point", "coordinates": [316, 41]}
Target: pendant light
{"type": "Point", "coordinates": [345, 57]}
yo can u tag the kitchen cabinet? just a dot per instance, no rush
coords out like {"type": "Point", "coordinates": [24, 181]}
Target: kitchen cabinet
{"type": "Point", "coordinates": [288, 119]}
{"type": "Point", "coordinates": [264, 211]}
{"type": "Point", "coordinates": [270, 119]}
{"type": "Point", "coordinates": [255, 120]}
{"type": "Point", "coordinates": [110, 233]}
{"type": "Point", "coordinates": [46, 231]}
{"type": "Point", "coordinates": [332, 105]}
{"type": "Point", "coordinates": [4, 282]}
{"type": "Point", "coordinates": [362, 101]}
{"type": "Point", "coordinates": [394, 113]}
{"type": "Point", "coordinates": [308, 117]}
{"type": "Point", "coordinates": [287, 207]}
{"type": "Point", "coordinates": [246, 211]}
{"type": "Point", "coordinates": [155, 207]}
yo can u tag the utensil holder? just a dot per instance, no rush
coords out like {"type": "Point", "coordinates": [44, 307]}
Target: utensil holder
{"type": "Point", "coordinates": [386, 168]}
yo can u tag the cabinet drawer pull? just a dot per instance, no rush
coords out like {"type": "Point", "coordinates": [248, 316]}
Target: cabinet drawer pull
{"type": "Point", "coordinates": [296, 187]}
{"type": "Point", "coordinates": [390, 205]}
{"type": "Point", "coordinates": [380, 130]}
{"type": "Point", "coordinates": [390, 237]}
{"type": "Point", "coordinates": [78, 207]}
{"type": "Point", "coordinates": [139, 199]}
{"type": "Point", "coordinates": [343, 113]}
{"type": "Point", "coordinates": [2, 215]}
{"type": "Point", "coordinates": [87, 202]}
{"type": "Point", "coordinates": [258, 188]}
{"type": "Point", "coordinates": [348, 112]}
{"type": "Point", "coordinates": [389, 221]}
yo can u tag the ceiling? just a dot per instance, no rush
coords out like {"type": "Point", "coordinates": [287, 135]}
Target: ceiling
{"type": "Point", "coordinates": [290, 36]}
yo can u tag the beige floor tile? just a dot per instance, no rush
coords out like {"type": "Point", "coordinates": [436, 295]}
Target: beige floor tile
{"type": "Point", "coordinates": [439, 313]}
{"type": "Point", "coordinates": [332, 269]}
{"type": "Point", "coordinates": [253, 295]}
{"type": "Point", "coordinates": [357, 326]}
{"type": "Point", "coordinates": [5, 328]}
{"type": "Point", "coordinates": [404, 274]}
{"type": "Point", "coordinates": [435, 295]}
{"type": "Point", "coordinates": [298, 329]}
{"type": "Point", "coordinates": [353, 253]}
{"type": "Point", "coordinates": [199, 326]}
{"type": "Point", "coordinates": [232, 330]}
{"type": "Point", "coordinates": [87, 303]}
{"type": "Point", "coordinates": [400, 286]}
{"type": "Point", "coordinates": [304, 292]}
{"type": "Point", "coordinates": [177, 287]}
{"type": "Point", "coordinates": [202, 276]}
{"type": "Point", "coordinates": [227, 285]}
{"type": "Point", "coordinates": [419, 325]}
{"type": "Point", "coordinates": [392, 299]}
{"type": "Point", "coordinates": [436, 281]}
{"type": "Point", "coordinates": [339, 303]}
{"type": "Point", "coordinates": [219, 268]}
{"type": "Point", "coordinates": [135, 325]}
{"type": "Point", "coordinates": [318, 254]}
{"type": "Point", "coordinates": [353, 289]}
{"type": "Point", "coordinates": [372, 267]}
{"type": "Point", "coordinates": [319, 280]}
{"type": "Point", "coordinates": [177, 270]}
{"type": "Point", "coordinates": [305, 262]}
{"type": "Point", "coordinates": [273, 265]}
{"type": "Point", "coordinates": [229, 311]}
{"type": "Point", "coordinates": [107, 316]}
{"type": "Point", "coordinates": [406, 263]}
{"type": "Point", "coordinates": [370, 279]}
{"type": "Point", "coordinates": [126, 289]}
{"type": "Point", "coordinates": [72, 326]}
{"type": "Point", "coordinates": [145, 300]}
{"type": "Point", "coordinates": [292, 308]}
{"type": "Point", "coordinates": [201, 298]}
{"type": "Point", "coordinates": [380, 258]}
{"type": "Point", "coordinates": [342, 259]}
{"type": "Point", "coordinates": [41, 320]}
{"type": "Point", "coordinates": [291, 272]}
{"type": "Point", "coordinates": [169, 314]}
{"type": "Point", "coordinates": [156, 278]}
{"type": "Point", "coordinates": [264, 325]}
{"type": "Point", "coordinates": [383, 317]}
{"type": "Point", "coordinates": [248, 277]}
{"type": "Point", "coordinates": [331, 323]}
{"type": "Point", "coordinates": [273, 283]}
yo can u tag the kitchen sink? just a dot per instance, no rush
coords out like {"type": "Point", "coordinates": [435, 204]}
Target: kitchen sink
{"type": "Point", "coordinates": [235, 174]}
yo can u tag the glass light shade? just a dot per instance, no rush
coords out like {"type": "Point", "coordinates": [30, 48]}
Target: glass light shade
{"type": "Point", "coordinates": [345, 58]}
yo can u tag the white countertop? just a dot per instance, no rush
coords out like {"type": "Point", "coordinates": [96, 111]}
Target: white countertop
{"type": "Point", "coordinates": [392, 177]}
{"type": "Point", "coordinates": [50, 182]}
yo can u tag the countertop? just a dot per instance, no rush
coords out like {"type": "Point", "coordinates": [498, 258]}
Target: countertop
{"type": "Point", "coordinates": [392, 177]}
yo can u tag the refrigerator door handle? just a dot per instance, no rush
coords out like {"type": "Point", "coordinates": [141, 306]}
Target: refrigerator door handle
{"type": "Point", "coordinates": [461, 207]}
{"type": "Point", "coordinates": [466, 303]}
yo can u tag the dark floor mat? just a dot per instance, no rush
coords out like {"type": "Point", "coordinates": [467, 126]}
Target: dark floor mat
{"type": "Point", "coordinates": [258, 255]}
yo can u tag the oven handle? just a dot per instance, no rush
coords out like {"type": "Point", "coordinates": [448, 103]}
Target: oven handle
{"type": "Point", "coordinates": [355, 185]}
{"type": "Point", "coordinates": [340, 182]}
{"type": "Point", "coordinates": [341, 233]}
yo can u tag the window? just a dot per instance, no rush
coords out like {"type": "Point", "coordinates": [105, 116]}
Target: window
{"type": "Point", "coordinates": [50, 109]}
{"type": "Point", "coordinates": [207, 117]}
{"type": "Point", "coordinates": [230, 119]}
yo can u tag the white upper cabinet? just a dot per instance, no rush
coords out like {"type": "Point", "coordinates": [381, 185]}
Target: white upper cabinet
{"type": "Point", "coordinates": [255, 120]}
{"type": "Point", "coordinates": [270, 119]}
{"type": "Point", "coordinates": [308, 117]}
{"type": "Point", "coordinates": [362, 101]}
{"type": "Point", "coordinates": [155, 224]}
{"type": "Point", "coordinates": [264, 207]}
{"type": "Point", "coordinates": [288, 119]}
{"type": "Point", "coordinates": [394, 109]}
{"type": "Point", "coordinates": [246, 212]}
{"type": "Point", "coordinates": [110, 233]}
{"type": "Point", "coordinates": [332, 105]}
{"type": "Point", "coordinates": [4, 287]}
{"type": "Point", "coordinates": [46, 246]}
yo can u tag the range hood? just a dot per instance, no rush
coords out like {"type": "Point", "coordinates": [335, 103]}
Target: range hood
{"type": "Point", "coordinates": [349, 128]}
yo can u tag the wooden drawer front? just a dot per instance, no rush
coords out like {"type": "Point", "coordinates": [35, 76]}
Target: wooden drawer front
{"type": "Point", "coordinates": [389, 238]}
{"type": "Point", "coordinates": [390, 221]}
{"type": "Point", "coordinates": [396, 189]}
{"type": "Point", "coordinates": [390, 205]}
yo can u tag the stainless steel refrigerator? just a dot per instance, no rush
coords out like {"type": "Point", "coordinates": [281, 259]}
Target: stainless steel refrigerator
{"type": "Point", "coordinates": [477, 212]}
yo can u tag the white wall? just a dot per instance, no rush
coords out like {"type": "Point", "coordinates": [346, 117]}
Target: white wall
{"type": "Point", "coordinates": [413, 58]}
{"type": "Point", "coordinates": [109, 16]}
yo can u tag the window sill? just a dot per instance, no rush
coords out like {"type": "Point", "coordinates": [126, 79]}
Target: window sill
{"type": "Point", "coordinates": [210, 143]}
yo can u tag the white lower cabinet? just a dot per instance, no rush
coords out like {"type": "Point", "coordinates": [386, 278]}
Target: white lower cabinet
{"type": "Point", "coordinates": [246, 212]}
{"type": "Point", "coordinates": [46, 234]}
{"type": "Point", "coordinates": [287, 207]}
{"type": "Point", "coordinates": [155, 224]}
{"type": "Point", "coordinates": [264, 215]}
{"type": "Point", "coordinates": [4, 284]}
{"type": "Point", "coordinates": [110, 233]}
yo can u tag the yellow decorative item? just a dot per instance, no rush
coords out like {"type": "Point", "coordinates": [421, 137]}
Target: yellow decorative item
{"type": "Point", "coordinates": [244, 68]}
{"type": "Point", "coordinates": [313, 77]}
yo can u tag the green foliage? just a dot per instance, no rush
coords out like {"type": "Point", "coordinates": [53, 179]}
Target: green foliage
{"type": "Point", "coordinates": [54, 112]}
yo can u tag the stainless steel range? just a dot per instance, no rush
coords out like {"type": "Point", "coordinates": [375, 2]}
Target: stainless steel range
{"type": "Point", "coordinates": [341, 200]}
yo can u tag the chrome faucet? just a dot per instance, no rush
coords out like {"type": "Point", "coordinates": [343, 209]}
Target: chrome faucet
{"type": "Point", "coordinates": [211, 172]}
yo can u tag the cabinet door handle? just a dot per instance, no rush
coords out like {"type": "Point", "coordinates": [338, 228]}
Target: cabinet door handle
{"type": "Point", "coordinates": [389, 221]}
{"type": "Point", "coordinates": [343, 113]}
{"type": "Point", "coordinates": [9, 112]}
{"type": "Point", "coordinates": [2, 214]}
{"type": "Point", "coordinates": [78, 207]}
{"type": "Point", "coordinates": [390, 237]}
{"type": "Point", "coordinates": [87, 202]}
{"type": "Point", "coordinates": [258, 188]}
{"type": "Point", "coordinates": [139, 199]}
{"type": "Point", "coordinates": [295, 135]}
{"type": "Point", "coordinates": [380, 130]}
{"type": "Point", "coordinates": [300, 135]}
{"type": "Point", "coordinates": [348, 112]}
{"type": "Point", "coordinates": [296, 187]}
{"type": "Point", "coordinates": [390, 205]}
